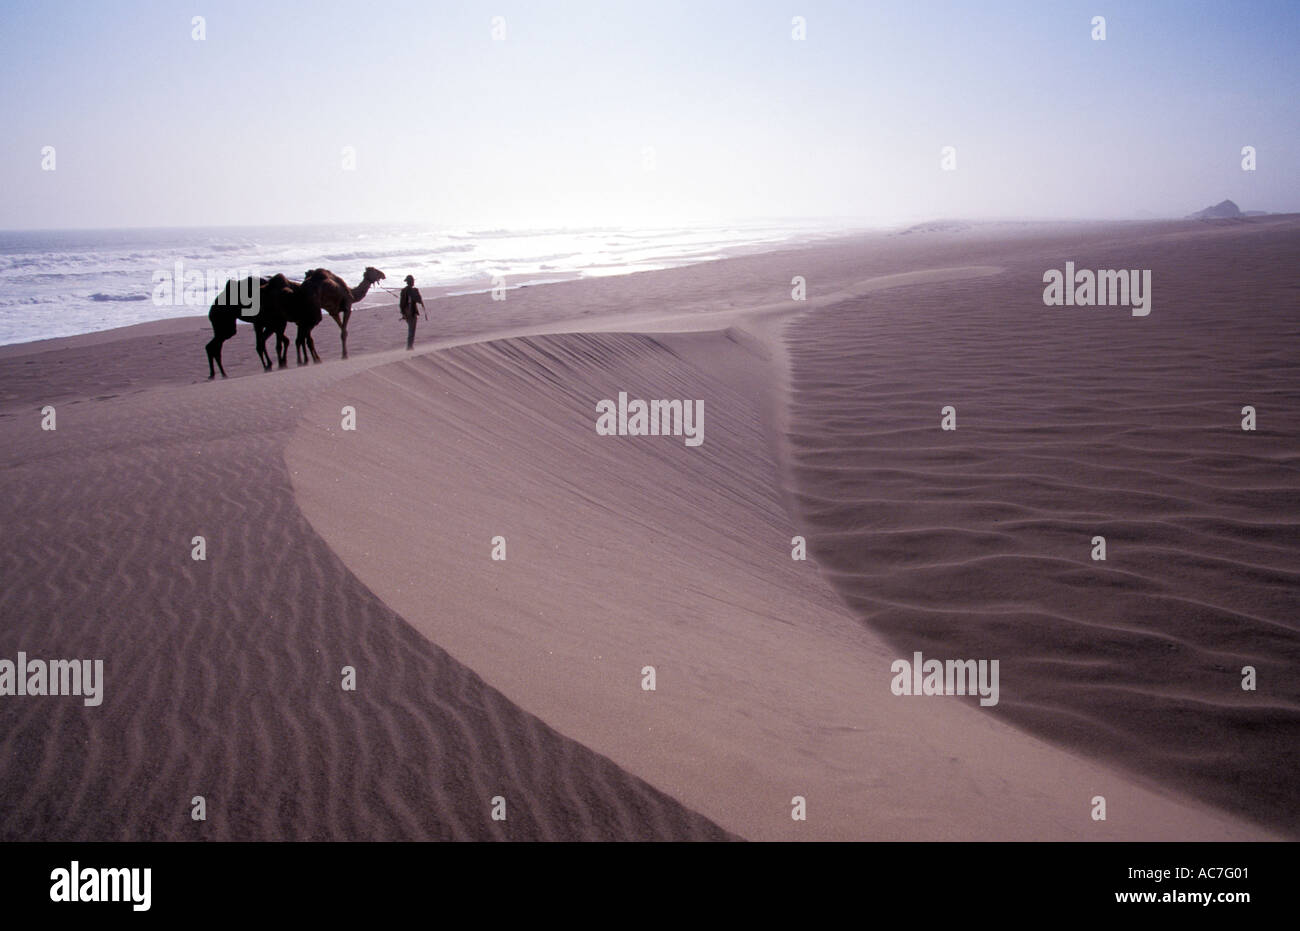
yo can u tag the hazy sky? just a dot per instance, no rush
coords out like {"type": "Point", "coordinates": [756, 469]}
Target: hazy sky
{"type": "Point", "coordinates": [630, 113]}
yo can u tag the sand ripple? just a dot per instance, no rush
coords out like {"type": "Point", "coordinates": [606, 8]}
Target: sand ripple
{"type": "Point", "coordinates": [223, 676]}
{"type": "Point", "coordinates": [1075, 422]}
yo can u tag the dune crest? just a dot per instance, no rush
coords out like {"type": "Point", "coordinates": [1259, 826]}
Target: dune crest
{"type": "Point", "coordinates": [629, 552]}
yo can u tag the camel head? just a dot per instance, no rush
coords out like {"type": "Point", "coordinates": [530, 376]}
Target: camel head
{"type": "Point", "coordinates": [373, 274]}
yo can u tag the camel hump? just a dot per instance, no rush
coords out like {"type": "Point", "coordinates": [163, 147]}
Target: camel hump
{"type": "Point", "coordinates": [322, 280]}
{"type": "Point", "coordinates": [241, 293]}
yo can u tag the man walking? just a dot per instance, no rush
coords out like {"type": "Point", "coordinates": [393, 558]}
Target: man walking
{"type": "Point", "coordinates": [409, 303]}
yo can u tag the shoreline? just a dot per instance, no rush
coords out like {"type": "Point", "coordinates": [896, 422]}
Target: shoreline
{"type": "Point", "coordinates": [938, 230]}
{"type": "Point", "coordinates": [436, 286]}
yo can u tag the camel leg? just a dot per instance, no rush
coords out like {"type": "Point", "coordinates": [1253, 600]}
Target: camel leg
{"type": "Point", "coordinates": [214, 355]}
{"type": "Point", "coordinates": [311, 344]}
{"type": "Point", "coordinates": [279, 353]}
{"type": "Point", "coordinates": [259, 336]}
{"type": "Point", "coordinates": [223, 328]}
{"type": "Point", "coordinates": [262, 353]}
{"type": "Point", "coordinates": [343, 329]}
{"type": "Point", "coordinates": [302, 344]}
{"type": "Point", "coordinates": [266, 356]}
{"type": "Point", "coordinates": [282, 349]}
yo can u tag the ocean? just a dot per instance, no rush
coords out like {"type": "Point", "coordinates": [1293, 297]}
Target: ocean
{"type": "Point", "coordinates": [65, 282]}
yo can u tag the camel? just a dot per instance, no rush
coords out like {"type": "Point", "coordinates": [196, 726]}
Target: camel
{"type": "Point", "coordinates": [291, 302]}
{"type": "Point", "coordinates": [335, 297]}
{"type": "Point", "coordinates": [304, 310]}
{"type": "Point", "coordinates": [280, 302]}
{"type": "Point", "coordinates": [233, 304]}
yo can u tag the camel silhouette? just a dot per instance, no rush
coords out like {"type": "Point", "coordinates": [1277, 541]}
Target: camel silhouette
{"type": "Point", "coordinates": [259, 301]}
{"type": "Point", "coordinates": [335, 298]}
{"type": "Point", "coordinates": [270, 304]}
{"type": "Point", "coordinates": [302, 307]}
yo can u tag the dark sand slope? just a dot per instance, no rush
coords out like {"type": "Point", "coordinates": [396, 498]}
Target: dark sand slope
{"type": "Point", "coordinates": [1074, 422]}
{"type": "Point", "coordinates": [223, 677]}
{"type": "Point", "coordinates": [628, 552]}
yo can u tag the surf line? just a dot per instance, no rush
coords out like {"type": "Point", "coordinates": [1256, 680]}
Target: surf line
{"type": "Point", "coordinates": [683, 418]}
{"type": "Point", "coordinates": [953, 677]}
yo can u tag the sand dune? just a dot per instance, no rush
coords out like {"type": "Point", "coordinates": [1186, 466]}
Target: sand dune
{"type": "Point", "coordinates": [633, 552]}
{"type": "Point", "coordinates": [1075, 422]}
{"type": "Point", "coordinates": [523, 678]}
{"type": "Point", "coordinates": [223, 677]}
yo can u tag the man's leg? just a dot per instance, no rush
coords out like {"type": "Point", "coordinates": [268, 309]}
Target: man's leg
{"type": "Point", "coordinates": [410, 333]}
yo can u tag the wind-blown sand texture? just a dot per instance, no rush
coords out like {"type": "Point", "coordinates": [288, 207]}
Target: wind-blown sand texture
{"type": "Point", "coordinates": [521, 678]}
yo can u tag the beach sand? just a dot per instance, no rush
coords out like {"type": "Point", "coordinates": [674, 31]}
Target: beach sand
{"type": "Point", "coordinates": [522, 678]}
